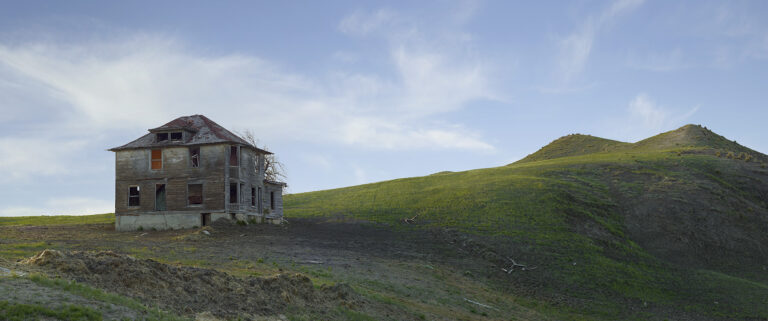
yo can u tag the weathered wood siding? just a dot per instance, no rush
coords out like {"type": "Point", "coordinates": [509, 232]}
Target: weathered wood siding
{"type": "Point", "coordinates": [133, 169]}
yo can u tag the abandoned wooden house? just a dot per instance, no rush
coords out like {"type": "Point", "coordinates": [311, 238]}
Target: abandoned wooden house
{"type": "Point", "coordinates": [189, 173]}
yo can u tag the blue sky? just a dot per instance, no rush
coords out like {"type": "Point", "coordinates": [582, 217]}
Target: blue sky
{"type": "Point", "coordinates": [354, 92]}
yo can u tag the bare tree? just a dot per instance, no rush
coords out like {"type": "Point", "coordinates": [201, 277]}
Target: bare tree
{"type": "Point", "coordinates": [274, 169]}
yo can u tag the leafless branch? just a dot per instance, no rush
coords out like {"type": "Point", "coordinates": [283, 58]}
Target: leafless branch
{"type": "Point", "coordinates": [274, 169]}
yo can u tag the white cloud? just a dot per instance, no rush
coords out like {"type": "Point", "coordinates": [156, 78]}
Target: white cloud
{"type": "Point", "coordinates": [576, 48]}
{"type": "Point", "coordinates": [647, 112]}
{"type": "Point", "coordinates": [393, 136]}
{"type": "Point", "coordinates": [647, 117]}
{"type": "Point", "coordinates": [62, 206]}
{"type": "Point", "coordinates": [361, 23]}
{"type": "Point", "coordinates": [142, 82]}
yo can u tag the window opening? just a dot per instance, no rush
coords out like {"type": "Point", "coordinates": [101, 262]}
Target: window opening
{"type": "Point", "coordinates": [133, 196]}
{"type": "Point", "coordinates": [194, 156]}
{"type": "Point", "coordinates": [233, 193]}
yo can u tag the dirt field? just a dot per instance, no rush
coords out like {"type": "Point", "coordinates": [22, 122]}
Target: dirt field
{"type": "Point", "coordinates": [307, 269]}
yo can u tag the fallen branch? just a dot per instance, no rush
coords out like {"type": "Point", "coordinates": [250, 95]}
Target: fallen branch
{"type": "Point", "coordinates": [411, 220]}
{"type": "Point", "coordinates": [480, 304]}
{"type": "Point", "coordinates": [311, 262]}
{"type": "Point", "coordinates": [515, 264]}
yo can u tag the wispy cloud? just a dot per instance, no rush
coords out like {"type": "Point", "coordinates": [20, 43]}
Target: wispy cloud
{"type": "Point", "coordinates": [362, 23]}
{"type": "Point", "coordinates": [136, 83]}
{"type": "Point", "coordinates": [576, 47]}
{"type": "Point", "coordinates": [647, 117]}
{"type": "Point", "coordinates": [648, 113]}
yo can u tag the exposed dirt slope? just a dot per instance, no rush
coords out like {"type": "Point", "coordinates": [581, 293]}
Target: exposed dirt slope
{"type": "Point", "coordinates": [188, 290]}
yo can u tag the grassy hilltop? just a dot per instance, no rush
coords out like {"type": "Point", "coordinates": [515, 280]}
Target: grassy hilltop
{"type": "Point", "coordinates": [671, 224]}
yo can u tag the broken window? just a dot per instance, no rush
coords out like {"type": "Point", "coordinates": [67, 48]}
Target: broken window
{"type": "Point", "coordinates": [256, 163]}
{"type": "Point", "coordinates": [272, 200]}
{"type": "Point", "coordinates": [133, 196]}
{"type": "Point", "coordinates": [161, 137]}
{"type": "Point", "coordinates": [176, 136]}
{"type": "Point", "coordinates": [194, 156]}
{"type": "Point", "coordinates": [253, 196]}
{"type": "Point", "coordinates": [160, 197]}
{"type": "Point", "coordinates": [233, 193]}
{"type": "Point", "coordinates": [157, 159]}
{"type": "Point", "coordinates": [233, 159]}
{"type": "Point", "coordinates": [195, 194]}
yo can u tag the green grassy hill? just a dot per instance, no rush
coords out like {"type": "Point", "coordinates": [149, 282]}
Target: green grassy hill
{"type": "Point", "coordinates": [574, 145]}
{"type": "Point", "coordinates": [675, 221]}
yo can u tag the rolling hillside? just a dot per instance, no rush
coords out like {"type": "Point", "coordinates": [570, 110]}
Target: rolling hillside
{"type": "Point", "coordinates": [672, 225]}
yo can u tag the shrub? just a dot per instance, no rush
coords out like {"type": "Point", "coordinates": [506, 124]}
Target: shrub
{"type": "Point", "coordinates": [141, 228]}
{"type": "Point", "coordinates": [730, 155]}
{"type": "Point", "coordinates": [241, 222]}
{"type": "Point", "coordinates": [718, 154]}
{"type": "Point", "coordinates": [748, 158]}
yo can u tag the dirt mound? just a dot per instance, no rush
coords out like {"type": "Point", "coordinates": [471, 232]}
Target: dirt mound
{"type": "Point", "coordinates": [188, 290]}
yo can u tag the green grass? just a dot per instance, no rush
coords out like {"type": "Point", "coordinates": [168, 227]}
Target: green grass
{"type": "Point", "coordinates": [21, 250]}
{"type": "Point", "coordinates": [88, 292]}
{"type": "Point", "coordinates": [108, 218]}
{"type": "Point", "coordinates": [23, 312]}
{"type": "Point", "coordinates": [537, 203]}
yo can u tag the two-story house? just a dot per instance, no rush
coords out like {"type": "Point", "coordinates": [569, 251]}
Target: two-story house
{"type": "Point", "coordinates": [189, 173]}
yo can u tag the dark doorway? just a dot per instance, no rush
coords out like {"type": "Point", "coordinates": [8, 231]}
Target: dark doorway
{"type": "Point", "coordinates": [160, 197]}
{"type": "Point", "coordinates": [205, 219]}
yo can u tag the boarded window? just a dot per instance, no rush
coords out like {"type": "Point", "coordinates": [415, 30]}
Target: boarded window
{"type": "Point", "coordinates": [176, 136]}
{"type": "Point", "coordinates": [272, 200]}
{"type": "Point", "coordinates": [157, 159]}
{"type": "Point", "coordinates": [195, 192]}
{"type": "Point", "coordinates": [194, 156]}
{"type": "Point", "coordinates": [233, 159]}
{"type": "Point", "coordinates": [233, 193]}
{"type": "Point", "coordinates": [160, 197]}
{"type": "Point", "coordinates": [253, 196]}
{"type": "Point", "coordinates": [133, 196]}
{"type": "Point", "coordinates": [161, 137]}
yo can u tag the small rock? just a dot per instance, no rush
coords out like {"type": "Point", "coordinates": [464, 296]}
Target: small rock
{"type": "Point", "coordinates": [206, 232]}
